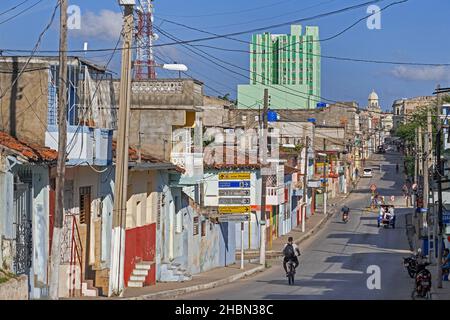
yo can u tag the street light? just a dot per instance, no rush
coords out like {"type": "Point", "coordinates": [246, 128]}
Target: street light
{"type": "Point", "coordinates": [174, 67]}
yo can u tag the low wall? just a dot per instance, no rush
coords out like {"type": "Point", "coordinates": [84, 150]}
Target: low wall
{"type": "Point", "coordinates": [15, 289]}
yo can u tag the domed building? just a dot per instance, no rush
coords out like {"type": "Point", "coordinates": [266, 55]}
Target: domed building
{"type": "Point", "coordinates": [373, 102]}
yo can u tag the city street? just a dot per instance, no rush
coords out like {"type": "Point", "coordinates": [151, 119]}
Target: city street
{"type": "Point", "coordinates": [334, 263]}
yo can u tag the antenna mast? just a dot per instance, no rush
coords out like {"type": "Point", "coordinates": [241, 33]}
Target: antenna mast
{"type": "Point", "coordinates": [145, 63]}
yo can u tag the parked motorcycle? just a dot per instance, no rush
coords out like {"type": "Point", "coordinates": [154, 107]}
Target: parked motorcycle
{"type": "Point", "coordinates": [423, 282]}
{"type": "Point", "coordinates": [410, 264]}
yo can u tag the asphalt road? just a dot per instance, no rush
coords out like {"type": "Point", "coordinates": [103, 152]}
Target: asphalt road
{"type": "Point", "coordinates": [334, 263]}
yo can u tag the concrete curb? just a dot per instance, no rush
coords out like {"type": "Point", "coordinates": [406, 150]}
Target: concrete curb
{"type": "Point", "coordinates": [177, 292]}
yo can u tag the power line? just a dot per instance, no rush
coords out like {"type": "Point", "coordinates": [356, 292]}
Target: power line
{"type": "Point", "coordinates": [21, 12]}
{"type": "Point", "coordinates": [38, 42]}
{"type": "Point", "coordinates": [330, 13]}
{"type": "Point", "coordinates": [294, 92]}
{"type": "Point", "coordinates": [269, 18]}
{"type": "Point", "coordinates": [13, 8]}
{"type": "Point", "coordinates": [228, 13]}
{"type": "Point", "coordinates": [335, 57]}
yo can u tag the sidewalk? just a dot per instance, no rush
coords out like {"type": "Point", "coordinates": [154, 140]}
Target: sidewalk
{"type": "Point", "coordinates": [442, 293]}
{"type": "Point", "coordinates": [202, 281]}
{"type": "Point", "coordinates": [224, 275]}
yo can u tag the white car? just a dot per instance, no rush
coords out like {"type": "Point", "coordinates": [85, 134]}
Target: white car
{"type": "Point", "coordinates": [367, 172]}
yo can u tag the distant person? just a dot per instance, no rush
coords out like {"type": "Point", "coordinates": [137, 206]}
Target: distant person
{"type": "Point", "coordinates": [405, 190]}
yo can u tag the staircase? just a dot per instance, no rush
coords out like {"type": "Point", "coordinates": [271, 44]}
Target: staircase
{"type": "Point", "coordinates": [174, 272]}
{"type": "Point", "coordinates": [139, 274]}
{"type": "Point", "coordinates": [88, 289]}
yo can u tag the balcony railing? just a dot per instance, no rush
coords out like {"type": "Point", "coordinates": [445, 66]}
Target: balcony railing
{"type": "Point", "coordinates": [274, 195]}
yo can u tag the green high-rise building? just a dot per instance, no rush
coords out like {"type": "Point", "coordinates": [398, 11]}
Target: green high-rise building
{"type": "Point", "coordinates": [288, 65]}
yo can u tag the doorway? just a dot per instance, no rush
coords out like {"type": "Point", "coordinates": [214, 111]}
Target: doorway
{"type": "Point", "coordinates": [85, 229]}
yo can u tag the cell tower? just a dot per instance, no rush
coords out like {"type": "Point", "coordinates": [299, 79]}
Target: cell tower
{"type": "Point", "coordinates": [144, 63]}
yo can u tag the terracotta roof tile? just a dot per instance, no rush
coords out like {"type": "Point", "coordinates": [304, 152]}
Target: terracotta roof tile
{"type": "Point", "coordinates": [133, 156]}
{"type": "Point", "coordinates": [30, 151]}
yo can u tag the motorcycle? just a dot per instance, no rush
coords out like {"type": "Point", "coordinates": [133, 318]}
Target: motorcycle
{"type": "Point", "coordinates": [410, 264]}
{"type": "Point", "coordinates": [291, 272]}
{"type": "Point", "coordinates": [423, 282]}
{"type": "Point", "coordinates": [345, 217]}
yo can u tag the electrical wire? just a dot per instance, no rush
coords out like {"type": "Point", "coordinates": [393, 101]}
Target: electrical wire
{"type": "Point", "coordinates": [268, 18]}
{"type": "Point", "coordinates": [13, 8]}
{"type": "Point", "coordinates": [326, 14]}
{"type": "Point", "coordinates": [228, 13]}
{"type": "Point", "coordinates": [21, 12]}
{"type": "Point", "coordinates": [33, 52]}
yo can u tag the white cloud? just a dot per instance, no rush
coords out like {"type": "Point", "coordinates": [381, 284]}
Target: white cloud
{"type": "Point", "coordinates": [424, 73]}
{"type": "Point", "coordinates": [107, 25]}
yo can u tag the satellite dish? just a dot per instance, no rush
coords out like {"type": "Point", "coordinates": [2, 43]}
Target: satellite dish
{"type": "Point", "coordinates": [155, 37]}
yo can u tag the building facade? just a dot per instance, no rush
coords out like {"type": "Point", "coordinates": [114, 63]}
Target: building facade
{"type": "Point", "coordinates": [286, 64]}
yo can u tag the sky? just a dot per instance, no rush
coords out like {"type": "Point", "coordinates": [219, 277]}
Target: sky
{"type": "Point", "coordinates": [414, 31]}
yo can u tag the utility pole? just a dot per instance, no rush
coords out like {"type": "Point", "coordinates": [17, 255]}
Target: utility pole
{"type": "Point", "coordinates": [305, 185]}
{"type": "Point", "coordinates": [116, 283]}
{"type": "Point", "coordinates": [440, 173]}
{"type": "Point", "coordinates": [325, 195]}
{"type": "Point", "coordinates": [263, 155]}
{"type": "Point", "coordinates": [426, 176]}
{"type": "Point", "coordinates": [55, 260]}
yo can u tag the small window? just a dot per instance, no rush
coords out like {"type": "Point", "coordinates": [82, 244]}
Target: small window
{"type": "Point", "coordinates": [196, 226]}
{"type": "Point", "coordinates": [85, 204]}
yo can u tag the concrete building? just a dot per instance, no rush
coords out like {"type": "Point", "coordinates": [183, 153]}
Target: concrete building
{"type": "Point", "coordinates": [403, 108]}
{"type": "Point", "coordinates": [288, 65]}
{"type": "Point", "coordinates": [25, 211]}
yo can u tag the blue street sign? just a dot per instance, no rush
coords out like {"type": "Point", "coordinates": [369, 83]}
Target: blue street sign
{"type": "Point", "coordinates": [272, 116]}
{"type": "Point", "coordinates": [311, 119]}
{"type": "Point", "coordinates": [446, 217]}
{"type": "Point", "coordinates": [234, 184]}
{"type": "Point", "coordinates": [321, 105]}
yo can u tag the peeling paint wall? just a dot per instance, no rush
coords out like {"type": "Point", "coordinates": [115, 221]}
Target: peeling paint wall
{"type": "Point", "coordinates": [40, 231]}
{"type": "Point", "coordinates": [6, 216]}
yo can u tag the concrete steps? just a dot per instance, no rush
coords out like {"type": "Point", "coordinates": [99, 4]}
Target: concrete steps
{"type": "Point", "coordinates": [174, 272]}
{"type": "Point", "coordinates": [139, 274]}
{"type": "Point", "coordinates": [88, 289]}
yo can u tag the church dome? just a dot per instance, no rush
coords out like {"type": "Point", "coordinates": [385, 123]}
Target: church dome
{"type": "Point", "coordinates": [373, 95]}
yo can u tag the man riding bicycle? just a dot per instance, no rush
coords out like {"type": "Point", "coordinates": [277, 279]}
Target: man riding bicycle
{"type": "Point", "coordinates": [290, 251]}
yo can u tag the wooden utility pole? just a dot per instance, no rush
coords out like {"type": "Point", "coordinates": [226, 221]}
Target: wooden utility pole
{"type": "Point", "coordinates": [263, 156]}
{"type": "Point", "coordinates": [305, 185]}
{"type": "Point", "coordinates": [116, 284]}
{"type": "Point", "coordinates": [426, 175]}
{"type": "Point", "coordinates": [325, 194]}
{"type": "Point", "coordinates": [440, 173]}
{"type": "Point", "coordinates": [55, 259]}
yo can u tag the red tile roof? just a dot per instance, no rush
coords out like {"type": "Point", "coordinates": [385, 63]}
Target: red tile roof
{"type": "Point", "coordinates": [30, 151]}
{"type": "Point", "coordinates": [145, 157]}
{"type": "Point", "coordinates": [221, 154]}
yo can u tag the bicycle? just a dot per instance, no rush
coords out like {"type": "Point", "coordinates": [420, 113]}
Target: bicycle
{"type": "Point", "coordinates": [291, 272]}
